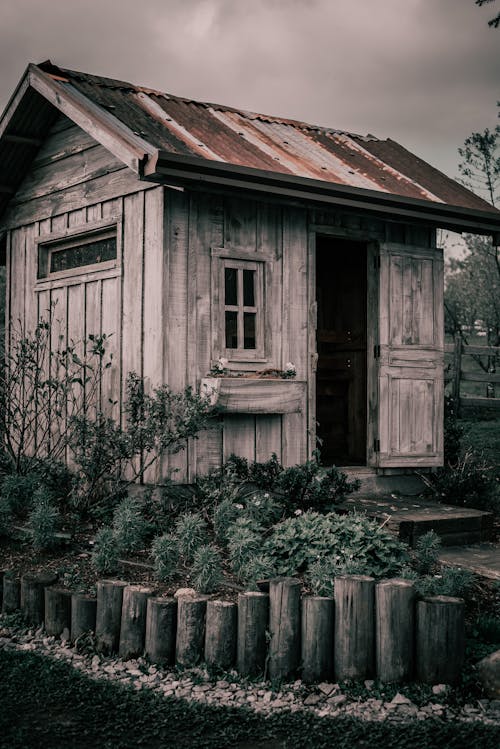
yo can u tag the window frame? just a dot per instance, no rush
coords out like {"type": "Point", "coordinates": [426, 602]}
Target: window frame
{"type": "Point", "coordinates": [240, 259]}
{"type": "Point", "coordinates": [48, 244]}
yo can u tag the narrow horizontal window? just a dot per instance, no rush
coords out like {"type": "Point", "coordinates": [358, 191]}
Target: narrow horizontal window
{"type": "Point", "coordinates": [91, 251]}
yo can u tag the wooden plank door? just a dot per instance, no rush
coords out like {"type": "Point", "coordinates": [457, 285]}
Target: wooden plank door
{"type": "Point", "coordinates": [410, 357]}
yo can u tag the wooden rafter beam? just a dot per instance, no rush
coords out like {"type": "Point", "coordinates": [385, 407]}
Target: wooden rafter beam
{"type": "Point", "coordinates": [22, 139]}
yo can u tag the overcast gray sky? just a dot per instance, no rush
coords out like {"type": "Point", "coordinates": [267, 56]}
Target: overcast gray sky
{"type": "Point", "coordinates": [423, 72]}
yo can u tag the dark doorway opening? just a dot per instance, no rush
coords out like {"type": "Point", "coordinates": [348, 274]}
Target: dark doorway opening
{"type": "Point", "coordinates": [341, 287]}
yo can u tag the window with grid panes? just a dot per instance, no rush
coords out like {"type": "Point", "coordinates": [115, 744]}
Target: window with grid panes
{"type": "Point", "coordinates": [242, 302]}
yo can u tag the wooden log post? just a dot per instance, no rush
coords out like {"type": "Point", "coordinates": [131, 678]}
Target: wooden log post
{"type": "Point", "coordinates": [440, 639]}
{"type": "Point", "coordinates": [354, 627]}
{"type": "Point", "coordinates": [57, 610]}
{"type": "Point", "coordinates": [33, 586]}
{"type": "Point", "coordinates": [190, 644]}
{"type": "Point", "coordinates": [133, 626]}
{"type": "Point", "coordinates": [83, 614]}
{"type": "Point", "coordinates": [11, 600]}
{"type": "Point", "coordinates": [220, 637]}
{"type": "Point", "coordinates": [317, 625]}
{"type": "Point", "coordinates": [253, 621]}
{"type": "Point", "coordinates": [109, 615]}
{"type": "Point", "coordinates": [394, 629]}
{"type": "Point", "coordinates": [161, 628]}
{"type": "Point", "coordinates": [284, 627]}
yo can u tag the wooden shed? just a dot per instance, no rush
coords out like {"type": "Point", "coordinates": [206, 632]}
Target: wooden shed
{"type": "Point", "coordinates": [194, 232]}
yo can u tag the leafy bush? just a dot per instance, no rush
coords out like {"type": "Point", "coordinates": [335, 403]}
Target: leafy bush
{"type": "Point", "coordinates": [191, 532]}
{"type": "Point", "coordinates": [452, 581]}
{"type": "Point", "coordinates": [263, 475]}
{"type": "Point", "coordinates": [467, 483]}
{"type": "Point", "coordinates": [256, 567]}
{"type": "Point", "coordinates": [487, 628]}
{"type": "Point", "coordinates": [206, 570]}
{"type": "Point", "coordinates": [17, 491]}
{"type": "Point", "coordinates": [244, 541]}
{"type": "Point", "coordinates": [310, 487]}
{"type": "Point", "coordinates": [105, 552]}
{"type": "Point", "coordinates": [224, 516]}
{"type": "Point", "coordinates": [353, 543]}
{"type": "Point", "coordinates": [424, 557]}
{"type": "Point", "coordinates": [129, 526]}
{"type": "Point", "coordinates": [5, 516]}
{"type": "Point", "coordinates": [43, 521]}
{"type": "Point", "coordinates": [165, 553]}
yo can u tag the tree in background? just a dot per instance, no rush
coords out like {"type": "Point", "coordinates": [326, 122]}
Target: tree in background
{"type": "Point", "coordinates": [494, 22]}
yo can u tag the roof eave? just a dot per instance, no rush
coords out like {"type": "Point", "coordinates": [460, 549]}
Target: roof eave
{"type": "Point", "coordinates": [190, 170]}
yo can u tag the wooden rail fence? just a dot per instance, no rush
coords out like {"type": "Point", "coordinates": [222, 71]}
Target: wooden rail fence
{"type": "Point", "coordinates": [455, 374]}
{"type": "Point", "coordinates": [367, 630]}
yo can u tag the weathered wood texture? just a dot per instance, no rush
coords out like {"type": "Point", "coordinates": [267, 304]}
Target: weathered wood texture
{"type": "Point", "coordinates": [317, 626]}
{"type": "Point", "coordinates": [109, 614]}
{"type": "Point", "coordinates": [83, 614]}
{"type": "Point", "coordinates": [161, 627]}
{"type": "Point", "coordinates": [354, 627]}
{"type": "Point", "coordinates": [57, 611]}
{"type": "Point", "coordinates": [11, 599]}
{"type": "Point", "coordinates": [220, 637]}
{"type": "Point", "coordinates": [394, 629]}
{"type": "Point", "coordinates": [190, 644]}
{"type": "Point", "coordinates": [284, 627]}
{"type": "Point", "coordinates": [440, 639]}
{"type": "Point", "coordinates": [253, 621]}
{"type": "Point", "coordinates": [133, 625]}
{"type": "Point", "coordinates": [33, 596]}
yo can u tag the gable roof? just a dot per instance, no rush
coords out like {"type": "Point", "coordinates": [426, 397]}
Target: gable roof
{"type": "Point", "coordinates": [170, 139]}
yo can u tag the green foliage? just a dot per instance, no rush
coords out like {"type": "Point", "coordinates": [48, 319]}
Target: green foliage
{"type": "Point", "coordinates": [43, 520]}
{"type": "Point", "coordinates": [5, 516]}
{"type": "Point", "coordinates": [310, 487]}
{"type": "Point", "coordinates": [105, 553]}
{"type": "Point", "coordinates": [487, 629]}
{"type": "Point", "coordinates": [224, 516]}
{"type": "Point", "coordinates": [165, 553]}
{"type": "Point", "coordinates": [244, 541]}
{"type": "Point", "coordinates": [17, 492]}
{"type": "Point", "coordinates": [129, 526]}
{"type": "Point", "coordinates": [453, 581]}
{"type": "Point", "coordinates": [191, 532]}
{"type": "Point", "coordinates": [453, 432]}
{"type": "Point", "coordinates": [320, 576]}
{"type": "Point", "coordinates": [263, 475]}
{"type": "Point", "coordinates": [468, 483]}
{"type": "Point", "coordinates": [206, 570]}
{"type": "Point", "coordinates": [426, 553]}
{"type": "Point", "coordinates": [256, 567]}
{"type": "Point", "coordinates": [352, 543]}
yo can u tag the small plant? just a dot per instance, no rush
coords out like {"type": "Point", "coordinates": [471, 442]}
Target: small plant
{"type": "Point", "coordinates": [219, 367]}
{"type": "Point", "coordinates": [165, 553]}
{"type": "Point", "coordinates": [245, 538]}
{"type": "Point", "coordinates": [452, 581]}
{"type": "Point", "coordinates": [191, 532]}
{"type": "Point", "coordinates": [320, 576]}
{"type": "Point", "coordinates": [17, 491]}
{"type": "Point", "coordinates": [289, 371]}
{"type": "Point", "coordinates": [105, 553]}
{"type": "Point", "coordinates": [43, 521]}
{"type": "Point", "coordinates": [469, 482]}
{"type": "Point", "coordinates": [426, 554]}
{"type": "Point", "coordinates": [5, 516]}
{"type": "Point", "coordinates": [256, 567]}
{"type": "Point", "coordinates": [224, 516]}
{"type": "Point", "coordinates": [207, 569]}
{"type": "Point", "coordinates": [129, 526]}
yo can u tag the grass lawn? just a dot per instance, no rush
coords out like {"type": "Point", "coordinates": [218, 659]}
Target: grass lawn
{"type": "Point", "coordinates": [47, 704]}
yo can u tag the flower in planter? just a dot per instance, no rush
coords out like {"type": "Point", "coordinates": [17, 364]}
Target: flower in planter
{"type": "Point", "coordinates": [289, 371]}
{"type": "Point", "coordinates": [219, 367]}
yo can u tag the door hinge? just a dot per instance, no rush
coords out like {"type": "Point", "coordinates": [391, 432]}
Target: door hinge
{"type": "Point", "coordinates": [376, 446]}
{"type": "Point", "coordinates": [376, 351]}
{"type": "Point", "coordinates": [376, 262]}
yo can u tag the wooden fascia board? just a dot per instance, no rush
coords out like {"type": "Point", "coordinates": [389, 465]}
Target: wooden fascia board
{"type": "Point", "coordinates": [97, 122]}
{"type": "Point", "coordinates": [205, 174]}
{"type": "Point", "coordinates": [14, 102]}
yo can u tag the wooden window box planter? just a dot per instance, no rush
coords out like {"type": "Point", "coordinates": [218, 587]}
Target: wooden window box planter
{"type": "Point", "coordinates": [251, 395]}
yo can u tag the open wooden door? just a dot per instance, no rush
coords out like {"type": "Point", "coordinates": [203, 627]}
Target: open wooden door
{"type": "Point", "coordinates": [409, 357]}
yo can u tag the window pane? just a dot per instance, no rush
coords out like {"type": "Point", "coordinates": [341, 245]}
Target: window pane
{"type": "Point", "coordinates": [231, 286]}
{"type": "Point", "coordinates": [249, 329]}
{"type": "Point", "coordinates": [231, 330]}
{"type": "Point", "coordinates": [248, 288]}
{"type": "Point", "coordinates": [85, 254]}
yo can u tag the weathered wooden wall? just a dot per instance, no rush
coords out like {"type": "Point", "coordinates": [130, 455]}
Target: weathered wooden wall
{"type": "Point", "coordinates": [157, 304]}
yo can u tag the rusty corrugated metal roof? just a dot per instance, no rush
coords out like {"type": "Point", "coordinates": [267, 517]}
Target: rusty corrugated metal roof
{"type": "Point", "coordinates": [232, 136]}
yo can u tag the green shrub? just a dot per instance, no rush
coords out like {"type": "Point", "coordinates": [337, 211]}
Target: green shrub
{"type": "Point", "coordinates": [353, 543]}
{"type": "Point", "coordinates": [487, 628]}
{"type": "Point", "coordinates": [43, 521]}
{"type": "Point", "coordinates": [468, 483]}
{"type": "Point", "coordinates": [452, 581]}
{"type": "Point", "coordinates": [191, 532]}
{"type": "Point", "coordinates": [18, 490]}
{"type": "Point", "coordinates": [263, 475]}
{"type": "Point", "coordinates": [5, 516]}
{"type": "Point", "coordinates": [206, 570]}
{"type": "Point", "coordinates": [244, 541]}
{"type": "Point", "coordinates": [426, 553]}
{"type": "Point", "coordinates": [105, 552]}
{"type": "Point", "coordinates": [224, 516]}
{"type": "Point", "coordinates": [256, 567]}
{"type": "Point", "coordinates": [320, 576]}
{"type": "Point", "coordinates": [310, 487]}
{"type": "Point", "coordinates": [129, 526]}
{"type": "Point", "coordinates": [165, 553]}
{"type": "Point", "coordinates": [262, 507]}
